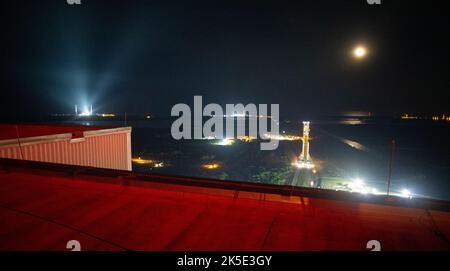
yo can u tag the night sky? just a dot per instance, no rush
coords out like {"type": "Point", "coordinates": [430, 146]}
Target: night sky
{"type": "Point", "coordinates": [145, 56]}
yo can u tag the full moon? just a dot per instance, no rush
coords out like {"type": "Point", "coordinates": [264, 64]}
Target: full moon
{"type": "Point", "coordinates": [360, 52]}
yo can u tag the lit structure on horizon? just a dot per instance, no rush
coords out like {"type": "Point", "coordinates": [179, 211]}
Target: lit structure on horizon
{"type": "Point", "coordinates": [405, 193]}
{"type": "Point", "coordinates": [408, 117]}
{"type": "Point", "coordinates": [107, 115]}
{"type": "Point", "coordinates": [305, 160]}
{"type": "Point", "coordinates": [358, 185]}
{"type": "Point", "coordinates": [85, 113]}
{"type": "Point", "coordinates": [443, 117]}
{"type": "Point", "coordinates": [225, 142]}
{"type": "Point", "coordinates": [152, 163]}
{"type": "Point", "coordinates": [282, 137]}
{"type": "Point", "coordinates": [211, 166]}
{"type": "Point", "coordinates": [246, 138]}
{"type": "Point", "coordinates": [141, 161]}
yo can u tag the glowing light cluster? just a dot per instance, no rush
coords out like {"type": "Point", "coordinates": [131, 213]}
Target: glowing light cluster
{"type": "Point", "coordinates": [443, 117]}
{"type": "Point", "coordinates": [225, 142]}
{"type": "Point", "coordinates": [153, 163]}
{"type": "Point", "coordinates": [141, 161]}
{"type": "Point", "coordinates": [230, 141]}
{"type": "Point", "coordinates": [87, 111]}
{"type": "Point", "coordinates": [408, 117]}
{"type": "Point", "coordinates": [358, 186]}
{"type": "Point", "coordinates": [211, 166]}
{"type": "Point", "coordinates": [246, 138]}
{"type": "Point", "coordinates": [282, 137]}
{"type": "Point", "coordinates": [405, 193]}
{"type": "Point", "coordinates": [107, 115]}
{"type": "Point", "coordinates": [305, 164]}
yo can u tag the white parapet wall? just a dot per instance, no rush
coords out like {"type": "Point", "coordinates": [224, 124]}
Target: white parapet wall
{"type": "Point", "coordinates": [102, 148]}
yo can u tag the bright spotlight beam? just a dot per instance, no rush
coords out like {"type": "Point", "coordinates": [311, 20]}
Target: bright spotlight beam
{"type": "Point", "coordinates": [406, 193]}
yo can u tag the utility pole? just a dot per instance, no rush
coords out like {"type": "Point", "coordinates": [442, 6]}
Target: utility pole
{"type": "Point", "coordinates": [390, 165]}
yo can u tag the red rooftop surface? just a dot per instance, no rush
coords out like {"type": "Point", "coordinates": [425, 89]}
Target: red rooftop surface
{"type": "Point", "coordinates": [44, 206]}
{"type": "Point", "coordinates": [13, 131]}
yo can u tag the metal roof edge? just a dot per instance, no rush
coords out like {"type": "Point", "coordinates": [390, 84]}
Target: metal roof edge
{"type": "Point", "coordinates": [34, 140]}
{"type": "Point", "coordinates": [108, 130]}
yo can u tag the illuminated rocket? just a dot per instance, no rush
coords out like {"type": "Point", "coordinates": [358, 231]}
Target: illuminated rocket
{"type": "Point", "coordinates": [304, 156]}
{"type": "Point", "coordinates": [305, 160]}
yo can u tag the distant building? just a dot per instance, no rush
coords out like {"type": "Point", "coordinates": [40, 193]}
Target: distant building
{"type": "Point", "coordinates": [93, 146]}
